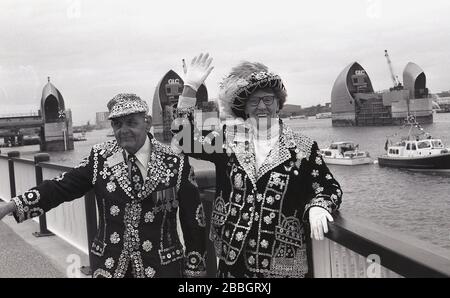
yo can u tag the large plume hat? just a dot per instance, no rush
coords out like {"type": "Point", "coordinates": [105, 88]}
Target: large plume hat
{"type": "Point", "coordinates": [244, 79]}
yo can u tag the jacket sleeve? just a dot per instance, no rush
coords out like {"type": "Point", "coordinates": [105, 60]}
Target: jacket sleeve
{"type": "Point", "coordinates": [327, 192]}
{"type": "Point", "coordinates": [193, 223]}
{"type": "Point", "coordinates": [51, 193]}
{"type": "Point", "coordinates": [205, 144]}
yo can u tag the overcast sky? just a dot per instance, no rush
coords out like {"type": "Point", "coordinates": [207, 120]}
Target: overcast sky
{"type": "Point", "coordinates": [93, 50]}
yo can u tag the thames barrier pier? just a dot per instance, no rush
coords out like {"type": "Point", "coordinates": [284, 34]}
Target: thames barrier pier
{"type": "Point", "coordinates": [355, 103]}
{"type": "Point", "coordinates": [53, 121]}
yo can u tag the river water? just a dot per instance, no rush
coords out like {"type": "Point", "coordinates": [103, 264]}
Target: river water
{"type": "Point", "coordinates": [411, 202]}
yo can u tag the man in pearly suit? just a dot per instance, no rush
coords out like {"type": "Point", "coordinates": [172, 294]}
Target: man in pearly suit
{"type": "Point", "coordinates": [140, 184]}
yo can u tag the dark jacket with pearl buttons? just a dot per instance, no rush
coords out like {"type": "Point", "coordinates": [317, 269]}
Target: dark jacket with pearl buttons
{"type": "Point", "coordinates": [259, 219]}
{"type": "Point", "coordinates": [137, 230]}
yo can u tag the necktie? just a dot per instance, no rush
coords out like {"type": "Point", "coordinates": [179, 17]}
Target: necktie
{"type": "Point", "coordinates": [136, 176]}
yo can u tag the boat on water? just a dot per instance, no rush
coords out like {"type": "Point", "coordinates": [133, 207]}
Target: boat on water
{"type": "Point", "coordinates": [416, 151]}
{"type": "Point", "coordinates": [345, 153]}
{"type": "Point", "coordinates": [79, 137]}
{"type": "Point", "coordinates": [298, 117]}
{"type": "Point", "coordinates": [323, 115]}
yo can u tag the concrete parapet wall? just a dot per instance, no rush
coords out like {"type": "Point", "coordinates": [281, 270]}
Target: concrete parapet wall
{"type": "Point", "coordinates": [395, 96]}
{"type": "Point", "coordinates": [343, 119]}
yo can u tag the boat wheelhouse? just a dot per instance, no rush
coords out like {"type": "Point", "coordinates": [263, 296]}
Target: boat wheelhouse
{"type": "Point", "coordinates": [345, 153]}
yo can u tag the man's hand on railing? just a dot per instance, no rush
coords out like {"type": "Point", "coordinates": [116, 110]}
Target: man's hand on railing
{"type": "Point", "coordinates": [318, 221]}
{"type": "Point", "coordinates": [6, 208]}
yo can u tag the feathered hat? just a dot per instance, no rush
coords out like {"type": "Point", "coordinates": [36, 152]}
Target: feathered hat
{"type": "Point", "coordinates": [243, 80]}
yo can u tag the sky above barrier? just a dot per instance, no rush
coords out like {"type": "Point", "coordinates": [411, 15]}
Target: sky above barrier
{"type": "Point", "coordinates": [93, 50]}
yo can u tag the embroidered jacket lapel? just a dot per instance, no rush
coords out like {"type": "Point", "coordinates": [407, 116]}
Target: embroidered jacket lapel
{"type": "Point", "coordinates": [242, 147]}
{"type": "Point", "coordinates": [156, 169]}
{"type": "Point", "coordinates": [119, 169]}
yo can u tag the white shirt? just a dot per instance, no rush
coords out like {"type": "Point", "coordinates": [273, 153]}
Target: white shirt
{"type": "Point", "coordinates": [142, 156]}
{"type": "Point", "coordinates": [264, 143]}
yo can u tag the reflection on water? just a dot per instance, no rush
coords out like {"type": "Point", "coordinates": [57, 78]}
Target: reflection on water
{"type": "Point", "coordinates": [414, 202]}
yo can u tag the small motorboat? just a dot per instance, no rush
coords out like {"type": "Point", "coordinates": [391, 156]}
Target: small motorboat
{"type": "Point", "coordinates": [298, 117]}
{"type": "Point", "coordinates": [79, 137]}
{"type": "Point", "coordinates": [345, 153]}
{"type": "Point", "coordinates": [323, 115]}
{"type": "Point", "coordinates": [426, 154]}
{"type": "Point", "coordinates": [420, 151]}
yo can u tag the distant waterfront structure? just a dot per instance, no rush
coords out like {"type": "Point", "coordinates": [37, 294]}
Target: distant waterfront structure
{"type": "Point", "coordinates": [165, 100]}
{"type": "Point", "coordinates": [443, 104]}
{"type": "Point", "coordinates": [56, 130]}
{"type": "Point", "coordinates": [355, 103]}
{"type": "Point", "coordinates": [101, 120]}
{"type": "Point", "coordinates": [53, 123]}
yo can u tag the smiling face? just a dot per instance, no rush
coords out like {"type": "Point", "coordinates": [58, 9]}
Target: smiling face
{"type": "Point", "coordinates": [130, 131]}
{"type": "Point", "coordinates": [262, 103]}
{"type": "Point", "coordinates": [262, 108]}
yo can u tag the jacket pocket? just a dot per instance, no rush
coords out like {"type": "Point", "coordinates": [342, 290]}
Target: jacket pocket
{"type": "Point", "coordinates": [289, 258]}
{"type": "Point", "coordinates": [292, 237]}
{"type": "Point", "coordinates": [219, 212]}
{"type": "Point", "coordinates": [98, 247]}
{"type": "Point", "coordinates": [171, 254]}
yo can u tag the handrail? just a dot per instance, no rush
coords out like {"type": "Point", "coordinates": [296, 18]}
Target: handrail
{"type": "Point", "coordinates": [23, 160]}
{"type": "Point", "coordinates": [53, 166]}
{"type": "Point", "coordinates": [404, 255]}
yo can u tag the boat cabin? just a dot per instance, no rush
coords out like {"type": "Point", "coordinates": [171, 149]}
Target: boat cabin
{"type": "Point", "coordinates": [340, 148]}
{"type": "Point", "coordinates": [417, 148]}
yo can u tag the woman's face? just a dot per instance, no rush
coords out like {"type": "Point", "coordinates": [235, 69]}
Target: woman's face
{"type": "Point", "coordinates": [262, 104]}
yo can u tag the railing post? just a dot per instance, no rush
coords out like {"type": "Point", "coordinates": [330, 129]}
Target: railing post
{"type": "Point", "coordinates": [43, 231]}
{"type": "Point", "coordinates": [12, 177]}
{"type": "Point", "coordinates": [91, 225]}
{"type": "Point", "coordinates": [321, 265]}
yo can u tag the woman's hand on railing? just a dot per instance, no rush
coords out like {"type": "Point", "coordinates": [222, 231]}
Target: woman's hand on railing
{"type": "Point", "coordinates": [318, 221]}
{"type": "Point", "coordinates": [6, 208]}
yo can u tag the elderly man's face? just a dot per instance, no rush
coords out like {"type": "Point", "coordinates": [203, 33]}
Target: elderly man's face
{"type": "Point", "coordinates": [130, 131]}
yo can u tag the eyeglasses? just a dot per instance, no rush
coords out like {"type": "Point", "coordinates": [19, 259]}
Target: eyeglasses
{"type": "Point", "coordinates": [267, 100]}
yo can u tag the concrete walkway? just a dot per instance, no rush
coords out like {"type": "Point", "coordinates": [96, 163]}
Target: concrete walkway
{"type": "Point", "coordinates": [24, 256]}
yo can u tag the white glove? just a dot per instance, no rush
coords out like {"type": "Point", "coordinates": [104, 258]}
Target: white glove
{"type": "Point", "coordinates": [198, 71]}
{"type": "Point", "coordinates": [6, 208]}
{"type": "Point", "coordinates": [318, 217]}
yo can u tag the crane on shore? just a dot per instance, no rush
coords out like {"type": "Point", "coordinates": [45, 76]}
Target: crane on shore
{"type": "Point", "coordinates": [395, 80]}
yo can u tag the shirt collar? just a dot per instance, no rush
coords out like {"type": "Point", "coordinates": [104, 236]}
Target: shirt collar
{"type": "Point", "coordinates": [143, 153]}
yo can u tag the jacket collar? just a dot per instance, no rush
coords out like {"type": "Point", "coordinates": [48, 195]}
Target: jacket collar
{"type": "Point", "coordinates": [241, 145]}
{"type": "Point", "coordinates": [115, 159]}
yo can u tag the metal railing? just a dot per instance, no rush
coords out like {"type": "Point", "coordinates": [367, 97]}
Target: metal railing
{"type": "Point", "coordinates": [355, 247]}
{"type": "Point", "coordinates": [352, 248]}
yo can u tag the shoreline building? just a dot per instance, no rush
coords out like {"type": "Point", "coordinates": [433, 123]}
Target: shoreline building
{"type": "Point", "coordinates": [355, 103]}
{"type": "Point", "coordinates": [102, 121]}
